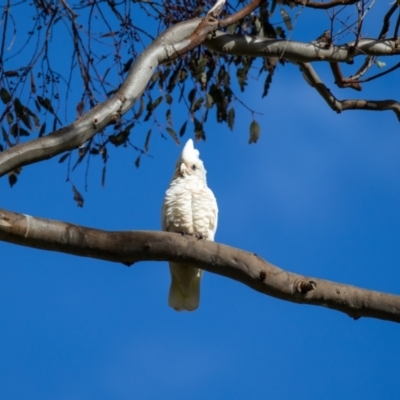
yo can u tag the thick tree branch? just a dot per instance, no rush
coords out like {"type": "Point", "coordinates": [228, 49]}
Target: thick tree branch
{"type": "Point", "coordinates": [134, 246]}
{"type": "Point", "coordinates": [342, 105]}
{"type": "Point", "coordinates": [255, 46]}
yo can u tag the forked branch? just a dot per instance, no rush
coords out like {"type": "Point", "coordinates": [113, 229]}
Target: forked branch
{"type": "Point", "coordinates": [351, 104]}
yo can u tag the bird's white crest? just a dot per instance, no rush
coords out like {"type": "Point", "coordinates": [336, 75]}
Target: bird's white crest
{"type": "Point", "coordinates": [189, 153]}
{"type": "Point", "coordinates": [189, 208]}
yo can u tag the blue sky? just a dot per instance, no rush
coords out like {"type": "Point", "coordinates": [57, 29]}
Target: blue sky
{"type": "Point", "coordinates": [317, 195]}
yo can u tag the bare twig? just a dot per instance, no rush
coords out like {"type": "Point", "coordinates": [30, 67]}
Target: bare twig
{"type": "Point", "coordinates": [342, 105]}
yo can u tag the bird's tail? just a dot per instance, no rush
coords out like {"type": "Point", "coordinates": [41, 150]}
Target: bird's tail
{"type": "Point", "coordinates": [184, 292]}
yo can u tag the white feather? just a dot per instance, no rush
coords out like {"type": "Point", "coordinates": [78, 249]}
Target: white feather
{"type": "Point", "coordinates": [189, 207]}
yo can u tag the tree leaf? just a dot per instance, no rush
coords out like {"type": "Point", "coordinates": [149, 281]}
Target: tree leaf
{"type": "Point", "coordinates": [183, 129]}
{"type": "Point", "coordinates": [197, 104]}
{"type": "Point", "coordinates": [267, 84]}
{"type": "Point", "coordinates": [15, 130]}
{"type": "Point", "coordinates": [77, 197]}
{"type": "Point", "coordinates": [4, 95]}
{"type": "Point", "coordinates": [121, 137]}
{"type": "Point", "coordinates": [157, 102]}
{"type": "Point", "coordinates": [42, 130]}
{"type": "Point", "coordinates": [192, 96]}
{"type": "Point", "coordinates": [23, 132]}
{"type": "Point", "coordinates": [103, 175]}
{"type": "Point", "coordinates": [137, 162]}
{"type": "Point", "coordinates": [33, 85]}
{"type": "Point", "coordinates": [64, 157]}
{"type": "Point", "coordinates": [173, 135]}
{"type": "Point", "coordinates": [11, 73]}
{"type": "Point", "coordinates": [141, 108]}
{"type": "Point", "coordinates": [168, 98]}
{"type": "Point", "coordinates": [10, 118]}
{"type": "Point", "coordinates": [231, 118]}
{"type": "Point", "coordinates": [286, 19]}
{"type": "Point", "coordinates": [12, 179]}
{"type": "Point", "coordinates": [46, 103]}
{"type": "Point", "coordinates": [22, 113]}
{"type": "Point", "coordinates": [147, 141]}
{"type": "Point", "coordinates": [254, 132]}
{"type": "Point", "coordinates": [199, 130]}
{"type": "Point", "coordinates": [127, 65]}
{"type": "Point", "coordinates": [169, 117]}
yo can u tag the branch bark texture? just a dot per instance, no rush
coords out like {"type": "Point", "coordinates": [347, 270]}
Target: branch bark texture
{"type": "Point", "coordinates": [129, 247]}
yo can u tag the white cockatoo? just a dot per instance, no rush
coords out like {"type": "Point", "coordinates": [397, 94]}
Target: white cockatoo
{"type": "Point", "coordinates": [189, 208]}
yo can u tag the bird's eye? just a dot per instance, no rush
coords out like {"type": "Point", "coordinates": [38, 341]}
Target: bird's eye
{"type": "Point", "coordinates": [193, 167]}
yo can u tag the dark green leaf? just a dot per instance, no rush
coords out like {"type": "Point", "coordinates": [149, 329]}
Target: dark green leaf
{"type": "Point", "coordinates": [122, 136]}
{"type": "Point", "coordinates": [157, 102]}
{"type": "Point", "coordinates": [141, 108]}
{"type": "Point", "coordinates": [209, 101]}
{"type": "Point", "coordinates": [12, 179]}
{"type": "Point", "coordinates": [182, 75]}
{"type": "Point", "coordinates": [197, 104]}
{"type": "Point", "coordinates": [192, 95]}
{"type": "Point", "coordinates": [46, 103]}
{"type": "Point", "coordinates": [173, 135]}
{"type": "Point", "coordinates": [267, 84]}
{"type": "Point", "coordinates": [173, 80]}
{"type": "Point", "coordinates": [103, 176]}
{"type": "Point", "coordinates": [64, 157]}
{"type": "Point", "coordinates": [4, 95]}
{"type": "Point", "coordinates": [147, 141]}
{"type": "Point", "coordinates": [23, 132]}
{"type": "Point", "coordinates": [241, 75]}
{"type": "Point", "coordinates": [33, 85]}
{"type": "Point", "coordinates": [11, 73]}
{"type": "Point", "coordinates": [231, 118]}
{"type": "Point", "coordinates": [42, 130]}
{"type": "Point", "coordinates": [254, 132]}
{"type": "Point", "coordinates": [169, 117]}
{"type": "Point", "coordinates": [4, 133]}
{"type": "Point", "coordinates": [154, 77]}
{"type": "Point", "coordinates": [137, 162]}
{"type": "Point", "coordinates": [22, 113]}
{"type": "Point", "coordinates": [199, 130]}
{"type": "Point", "coordinates": [10, 118]}
{"type": "Point", "coordinates": [15, 130]}
{"type": "Point", "coordinates": [168, 98]}
{"type": "Point", "coordinates": [183, 129]}
{"type": "Point", "coordinates": [77, 197]}
{"type": "Point", "coordinates": [127, 65]}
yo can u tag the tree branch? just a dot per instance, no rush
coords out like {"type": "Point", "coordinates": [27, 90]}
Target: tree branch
{"type": "Point", "coordinates": [318, 5]}
{"type": "Point", "coordinates": [130, 247]}
{"type": "Point", "coordinates": [108, 112]}
{"type": "Point", "coordinates": [255, 46]}
{"type": "Point", "coordinates": [342, 105]}
{"type": "Point", "coordinates": [173, 43]}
